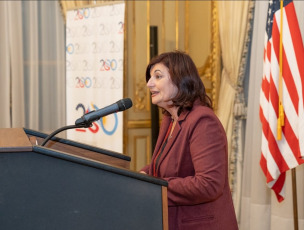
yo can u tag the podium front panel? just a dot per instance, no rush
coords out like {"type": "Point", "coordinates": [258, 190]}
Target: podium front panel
{"type": "Point", "coordinates": [40, 191]}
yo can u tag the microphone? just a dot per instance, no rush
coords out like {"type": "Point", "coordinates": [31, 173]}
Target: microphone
{"type": "Point", "coordinates": [94, 115]}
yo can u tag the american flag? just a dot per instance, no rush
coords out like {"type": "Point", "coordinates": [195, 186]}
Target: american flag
{"type": "Point", "coordinates": [281, 154]}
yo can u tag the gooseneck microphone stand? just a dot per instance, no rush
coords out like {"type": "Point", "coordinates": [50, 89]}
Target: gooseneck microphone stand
{"type": "Point", "coordinates": [87, 119]}
{"type": "Point", "coordinates": [83, 125]}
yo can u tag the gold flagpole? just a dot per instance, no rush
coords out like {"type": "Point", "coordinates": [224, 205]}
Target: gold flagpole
{"type": "Point", "coordinates": [295, 199]}
{"type": "Point", "coordinates": [281, 109]}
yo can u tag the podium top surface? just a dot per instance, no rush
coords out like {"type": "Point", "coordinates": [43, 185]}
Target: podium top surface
{"type": "Point", "coordinates": [78, 144]}
{"type": "Point", "coordinates": [14, 140]}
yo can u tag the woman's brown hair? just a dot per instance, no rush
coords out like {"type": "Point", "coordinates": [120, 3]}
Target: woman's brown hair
{"type": "Point", "coordinates": [184, 75]}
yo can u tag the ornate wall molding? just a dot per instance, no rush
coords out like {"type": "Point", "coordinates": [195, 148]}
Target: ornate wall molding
{"type": "Point", "coordinates": [211, 70]}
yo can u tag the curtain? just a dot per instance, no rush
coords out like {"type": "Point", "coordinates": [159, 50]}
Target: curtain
{"type": "Point", "coordinates": [239, 118]}
{"type": "Point", "coordinates": [234, 27]}
{"type": "Point", "coordinates": [260, 209]}
{"type": "Point", "coordinates": [12, 81]}
{"type": "Point", "coordinates": [33, 67]}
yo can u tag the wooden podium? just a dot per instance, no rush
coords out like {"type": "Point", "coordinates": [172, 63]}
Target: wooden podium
{"type": "Point", "coordinates": [69, 185]}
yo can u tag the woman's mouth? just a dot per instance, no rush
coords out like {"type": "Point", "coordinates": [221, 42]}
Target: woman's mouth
{"type": "Point", "coordinates": [153, 93]}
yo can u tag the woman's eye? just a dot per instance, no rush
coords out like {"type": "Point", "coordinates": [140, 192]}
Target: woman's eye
{"type": "Point", "coordinates": [157, 76]}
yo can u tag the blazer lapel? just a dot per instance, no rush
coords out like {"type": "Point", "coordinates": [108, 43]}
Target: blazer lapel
{"type": "Point", "coordinates": [173, 137]}
{"type": "Point", "coordinates": [170, 141]}
{"type": "Point", "coordinates": [162, 133]}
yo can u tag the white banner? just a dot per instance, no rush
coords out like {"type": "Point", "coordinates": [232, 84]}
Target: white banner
{"type": "Point", "coordinates": [94, 72]}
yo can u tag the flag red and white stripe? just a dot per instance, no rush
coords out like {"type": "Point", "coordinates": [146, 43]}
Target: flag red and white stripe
{"type": "Point", "coordinates": [278, 156]}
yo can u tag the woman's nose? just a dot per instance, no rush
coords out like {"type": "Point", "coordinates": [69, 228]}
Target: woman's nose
{"type": "Point", "coordinates": [150, 82]}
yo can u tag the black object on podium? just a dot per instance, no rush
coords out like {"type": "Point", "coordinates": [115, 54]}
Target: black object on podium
{"type": "Point", "coordinates": [44, 188]}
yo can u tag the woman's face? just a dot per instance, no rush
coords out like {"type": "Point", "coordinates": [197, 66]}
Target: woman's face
{"type": "Point", "coordinates": [161, 87]}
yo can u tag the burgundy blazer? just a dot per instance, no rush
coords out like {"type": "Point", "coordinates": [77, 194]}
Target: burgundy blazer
{"type": "Point", "coordinates": [195, 164]}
